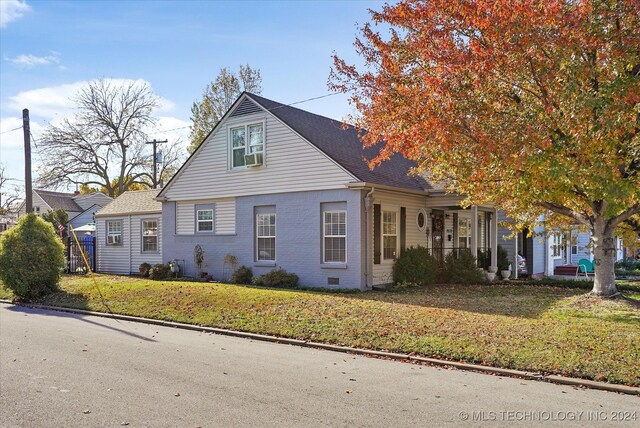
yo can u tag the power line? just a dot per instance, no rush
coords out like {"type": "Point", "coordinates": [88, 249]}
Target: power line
{"type": "Point", "coordinates": [11, 130]}
{"type": "Point", "coordinates": [267, 109]}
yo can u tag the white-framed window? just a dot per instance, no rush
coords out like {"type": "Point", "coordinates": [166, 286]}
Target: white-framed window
{"type": "Point", "coordinates": [266, 237]}
{"type": "Point", "coordinates": [334, 237]}
{"type": "Point", "coordinates": [464, 232]}
{"type": "Point", "coordinates": [114, 232]}
{"type": "Point", "coordinates": [204, 220]}
{"type": "Point", "coordinates": [245, 140]}
{"type": "Point", "coordinates": [149, 236]}
{"type": "Point", "coordinates": [421, 220]}
{"type": "Point", "coordinates": [555, 245]}
{"type": "Point", "coordinates": [389, 235]}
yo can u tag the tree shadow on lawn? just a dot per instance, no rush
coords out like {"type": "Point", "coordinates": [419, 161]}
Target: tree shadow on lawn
{"type": "Point", "coordinates": [512, 300]}
{"type": "Point", "coordinates": [72, 301]}
{"type": "Point", "coordinates": [496, 299]}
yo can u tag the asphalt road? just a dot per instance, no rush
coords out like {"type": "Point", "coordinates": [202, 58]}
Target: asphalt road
{"type": "Point", "coordinates": [58, 369]}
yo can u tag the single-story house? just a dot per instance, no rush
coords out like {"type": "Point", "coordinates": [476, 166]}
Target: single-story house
{"type": "Point", "coordinates": [550, 254]}
{"type": "Point", "coordinates": [129, 233]}
{"type": "Point", "coordinates": [79, 207]}
{"type": "Point", "coordinates": [279, 187]}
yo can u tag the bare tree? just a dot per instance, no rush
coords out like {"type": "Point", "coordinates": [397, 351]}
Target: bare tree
{"type": "Point", "coordinates": [218, 97]}
{"type": "Point", "coordinates": [103, 144]}
{"type": "Point", "coordinates": [10, 196]}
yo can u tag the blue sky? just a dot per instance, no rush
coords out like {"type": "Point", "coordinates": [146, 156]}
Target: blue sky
{"type": "Point", "coordinates": [51, 48]}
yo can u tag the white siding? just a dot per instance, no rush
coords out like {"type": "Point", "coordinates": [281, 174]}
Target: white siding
{"type": "Point", "coordinates": [113, 258]}
{"type": "Point", "coordinates": [137, 256]}
{"type": "Point", "coordinates": [185, 218]}
{"type": "Point", "coordinates": [84, 218]}
{"type": "Point", "coordinates": [225, 216]}
{"type": "Point", "coordinates": [126, 258]}
{"type": "Point", "coordinates": [36, 202]}
{"type": "Point", "coordinates": [383, 272]}
{"type": "Point", "coordinates": [291, 165]}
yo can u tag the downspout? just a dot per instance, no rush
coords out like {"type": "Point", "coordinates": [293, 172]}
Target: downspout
{"type": "Point", "coordinates": [368, 201]}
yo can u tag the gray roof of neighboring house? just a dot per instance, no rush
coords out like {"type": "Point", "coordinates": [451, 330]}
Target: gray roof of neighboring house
{"type": "Point", "coordinates": [343, 145]}
{"type": "Point", "coordinates": [59, 200]}
{"type": "Point", "coordinates": [133, 202]}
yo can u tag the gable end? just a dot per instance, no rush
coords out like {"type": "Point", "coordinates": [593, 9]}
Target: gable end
{"type": "Point", "coordinates": [246, 107]}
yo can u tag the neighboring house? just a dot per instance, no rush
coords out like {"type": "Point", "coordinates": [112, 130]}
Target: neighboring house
{"type": "Point", "coordinates": [7, 222]}
{"type": "Point", "coordinates": [551, 254]}
{"type": "Point", "coordinates": [279, 187]}
{"type": "Point", "coordinates": [129, 232]}
{"type": "Point", "coordinates": [79, 207]}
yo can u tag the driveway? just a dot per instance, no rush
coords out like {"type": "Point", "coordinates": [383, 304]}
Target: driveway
{"type": "Point", "coordinates": [58, 369]}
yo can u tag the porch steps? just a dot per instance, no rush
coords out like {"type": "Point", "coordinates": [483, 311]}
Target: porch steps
{"type": "Point", "coordinates": [567, 270]}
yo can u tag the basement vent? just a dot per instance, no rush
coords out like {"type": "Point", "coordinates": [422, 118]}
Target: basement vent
{"type": "Point", "coordinates": [246, 107]}
{"type": "Point", "coordinates": [333, 281]}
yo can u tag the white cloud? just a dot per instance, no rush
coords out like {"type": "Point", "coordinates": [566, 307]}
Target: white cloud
{"type": "Point", "coordinates": [10, 10]}
{"type": "Point", "coordinates": [171, 129]}
{"type": "Point", "coordinates": [30, 61]}
{"type": "Point", "coordinates": [55, 102]}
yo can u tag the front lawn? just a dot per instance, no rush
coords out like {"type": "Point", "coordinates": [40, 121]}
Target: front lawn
{"type": "Point", "coordinates": [526, 327]}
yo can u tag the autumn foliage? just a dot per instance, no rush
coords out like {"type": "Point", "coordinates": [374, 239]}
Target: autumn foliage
{"type": "Point", "coordinates": [533, 105]}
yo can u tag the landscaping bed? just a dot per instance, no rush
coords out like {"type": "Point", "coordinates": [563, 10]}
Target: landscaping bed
{"type": "Point", "coordinates": [520, 326]}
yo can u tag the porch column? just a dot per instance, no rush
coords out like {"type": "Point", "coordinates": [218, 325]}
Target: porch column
{"type": "Point", "coordinates": [474, 231]}
{"type": "Point", "coordinates": [493, 237]}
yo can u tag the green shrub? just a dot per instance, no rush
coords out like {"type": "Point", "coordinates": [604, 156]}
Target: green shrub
{"type": "Point", "coordinates": [415, 265]}
{"type": "Point", "coordinates": [503, 259]}
{"type": "Point", "coordinates": [628, 267]}
{"type": "Point", "coordinates": [160, 271]}
{"type": "Point", "coordinates": [461, 269]}
{"type": "Point", "coordinates": [243, 275]}
{"type": "Point", "coordinates": [277, 278]}
{"type": "Point", "coordinates": [144, 269]}
{"type": "Point", "coordinates": [31, 258]}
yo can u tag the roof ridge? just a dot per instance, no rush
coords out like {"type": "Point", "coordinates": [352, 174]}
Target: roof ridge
{"type": "Point", "coordinates": [281, 105]}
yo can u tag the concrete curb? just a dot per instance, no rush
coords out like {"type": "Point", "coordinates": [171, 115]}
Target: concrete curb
{"type": "Point", "coordinates": [561, 380]}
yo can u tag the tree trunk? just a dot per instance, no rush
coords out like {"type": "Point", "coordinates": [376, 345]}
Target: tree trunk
{"type": "Point", "coordinates": [604, 250]}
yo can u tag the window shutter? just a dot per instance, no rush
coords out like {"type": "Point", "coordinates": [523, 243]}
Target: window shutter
{"type": "Point", "coordinates": [376, 234]}
{"type": "Point", "coordinates": [403, 229]}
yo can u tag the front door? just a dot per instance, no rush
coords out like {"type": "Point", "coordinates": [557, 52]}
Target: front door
{"type": "Point", "coordinates": [437, 235]}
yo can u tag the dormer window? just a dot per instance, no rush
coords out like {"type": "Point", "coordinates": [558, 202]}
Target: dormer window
{"type": "Point", "coordinates": [246, 140]}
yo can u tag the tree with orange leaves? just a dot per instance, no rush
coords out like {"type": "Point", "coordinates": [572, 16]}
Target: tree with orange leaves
{"type": "Point", "coordinates": [533, 105]}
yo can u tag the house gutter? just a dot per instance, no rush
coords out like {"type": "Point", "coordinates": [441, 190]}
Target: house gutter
{"type": "Point", "coordinates": [368, 202]}
{"type": "Point", "coordinates": [364, 186]}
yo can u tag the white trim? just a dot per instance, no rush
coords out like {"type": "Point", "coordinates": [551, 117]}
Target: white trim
{"type": "Point", "coordinates": [395, 211]}
{"type": "Point", "coordinates": [258, 236]}
{"type": "Point", "coordinates": [142, 236]}
{"type": "Point", "coordinates": [324, 236]}
{"type": "Point", "coordinates": [198, 221]}
{"type": "Point", "coordinates": [425, 216]}
{"type": "Point", "coordinates": [230, 149]}
{"type": "Point", "coordinates": [108, 233]}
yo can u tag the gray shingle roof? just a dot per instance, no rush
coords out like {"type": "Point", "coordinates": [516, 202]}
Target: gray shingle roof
{"type": "Point", "coordinates": [345, 147]}
{"type": "Point", "coordinates": [133, 202]}
{"type": "Point", "coordinates": [59, 200]}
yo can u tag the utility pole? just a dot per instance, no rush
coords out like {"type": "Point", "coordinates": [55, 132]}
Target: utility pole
{"type": "Point", "coordinates": [28, 203]}
{"type": "Point", "coordinates": [155, 160]}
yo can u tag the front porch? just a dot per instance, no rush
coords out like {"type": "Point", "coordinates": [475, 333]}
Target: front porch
{"type": "Point", "coordinates": [439, 223]}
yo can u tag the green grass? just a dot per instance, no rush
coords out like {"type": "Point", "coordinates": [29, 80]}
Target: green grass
{"type": "Point", "coordinates": [527, 327]}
